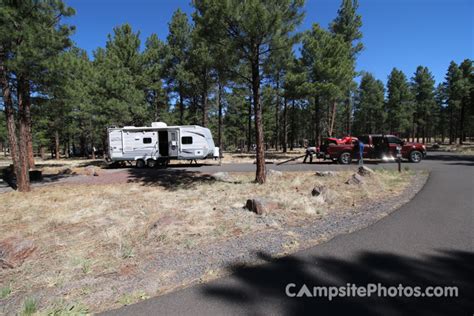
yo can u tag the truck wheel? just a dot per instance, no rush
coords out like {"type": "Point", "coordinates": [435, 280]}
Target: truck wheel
{"type": "Point", "coordinates": [151, 163]}
{"type": "Point", "coordinates": [140, 163]}
{"type": "Point", "coordinates": [415, 156]}
{"type": "Point", "coordinates": [345, 158]}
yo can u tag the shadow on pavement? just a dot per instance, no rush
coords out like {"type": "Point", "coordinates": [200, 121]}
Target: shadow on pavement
{"type": "Point", "coordinates": [268, 283]}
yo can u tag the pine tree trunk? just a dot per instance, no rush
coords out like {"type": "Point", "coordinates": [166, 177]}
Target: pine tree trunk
{"type": "Point", "coordinates": [23, 177]}
{"type": "Point", "coordinates": [181, 108]}
{"type": "Point", "coordinates": [249, 135]}
{"type": "Point", "coordinates": [10, 116]}
{"type": "Point", "coordinates": [285, 124]}
{"type": "Point", "coordinates": [348, 114]}
{"type": "Point", "coordinates": [204, 108]}
{"type": "Point", "coordinates": [461, 123]}
{"type": "Point", "coordinates": [277, 113]}
{"type": "Point", "coordinates": [317, 121]}
{"type": "Point", "coordinates": [451, 123]}
{"type": "Point", "coordinates": [56, 145]}
{"type": "Point", "coordinates": [332, 119]}
{"type": "Point", "coordinates": [27, 108]}
{"type": "Point", "coordinates": [42, 153]}
{"type": "Point", "coordinates": [260, 173]}
{"type": "Point", "coordinates": [219, 124]}
{"type": "Point", "coordinates": [293, 125]}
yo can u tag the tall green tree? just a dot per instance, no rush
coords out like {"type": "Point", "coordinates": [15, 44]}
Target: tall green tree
{"type": "Point", "coordinates": [179, 43]}
{"type": "Point", "coordinates": [467, 99]}
{"type": "Point", "coordinates": [425, 106]}
{"type": "Point", "coordinates": [399, 103]}
{"type": "Point", "coordinates": [30, 37]}
{"type": "Point", "coordinates": [347, 24]}
{"type": "Point", "coordinates": [330, 71]}
{"type": "Point", "coordinates": [369, 115]}
{"type": "Point", "coordinates": [249, 28]}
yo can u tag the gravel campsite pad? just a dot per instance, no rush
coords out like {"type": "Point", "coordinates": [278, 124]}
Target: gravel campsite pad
{"type": "Point", "coordinates": [99, 242]}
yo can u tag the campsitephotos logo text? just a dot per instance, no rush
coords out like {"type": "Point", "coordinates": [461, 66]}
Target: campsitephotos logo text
{"type": "Point", "coordinates": [368, 290]}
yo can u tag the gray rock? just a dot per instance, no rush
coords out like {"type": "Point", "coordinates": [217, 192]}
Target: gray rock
{"type": "Point", "coordinates": [365, 171]}
{"type": "Point", "coordinates": [318, 190]}
{"type": "Point", "coordinates": [260, 206]}
{"type": "Point", "coordinates": [222, 177]}
{"type": "Point", "coordinates": [325, 173]}
{"type": "Point", "coordinates": [355, 179]}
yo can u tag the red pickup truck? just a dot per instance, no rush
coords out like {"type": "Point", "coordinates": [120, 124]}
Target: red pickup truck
{"type": "Point", "coordinates": [375, 147]}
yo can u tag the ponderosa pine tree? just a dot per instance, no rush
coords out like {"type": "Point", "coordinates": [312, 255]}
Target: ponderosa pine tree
{"type": "Point", "coordinates": [422, 86]}
{"type": "Point", "coordinates": [179, 43]}
{"type": "Point", "coordinates": [30, 37]}
{"type": "Point", "coordinates": [369, 115]}
{"type": "Point", "coordinates": [399, 103]}
{"type": "Point", "coordinates": [467, 100]}
{"type": "Point", "coordinates": [330, 69]}
{"type": "Point", "coordinates": [154, 60]}
{"type": "Point", "coordinates": [250, 27]}
{"type": "Point", "coordinates": [348, 24]}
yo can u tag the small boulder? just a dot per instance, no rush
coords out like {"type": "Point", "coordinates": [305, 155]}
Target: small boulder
{"type": "Point", "coordinates": [318, 190]}
{"type": "Point", "coordinates": [435, 146]}
{"type": "Point", "coordinates": [365, 171]}
{"type": "Point", "coordinates": [355, 179]}
{"type": "Point", "coordinates": [260, 206]}
{"type": "Point", "coordinates": [222, 177]}
{"type": "Point", "coordinates": [325, 173]}
{"type": "Point", "coordinates": [14, 250]}
{"type": "Point", "coordinates": [90, 170]}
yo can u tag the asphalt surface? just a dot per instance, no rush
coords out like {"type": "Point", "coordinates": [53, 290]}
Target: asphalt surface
{"type": "Point", "coordinates": [427, 242]}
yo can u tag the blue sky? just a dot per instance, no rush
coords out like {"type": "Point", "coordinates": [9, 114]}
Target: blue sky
{"type": "Point", "coordinates": [397, 33]}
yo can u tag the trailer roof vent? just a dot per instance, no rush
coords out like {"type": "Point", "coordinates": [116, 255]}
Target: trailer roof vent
{"type": "Point", "coordinates": [158, 124]}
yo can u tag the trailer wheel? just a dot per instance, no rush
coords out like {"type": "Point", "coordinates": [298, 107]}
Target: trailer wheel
{"type": "Point", "coordinates": [140, 163]}
{"type": "Point", "coordinates": [151, 163]}
{"type": "Point", "coordinates": [345, 158]}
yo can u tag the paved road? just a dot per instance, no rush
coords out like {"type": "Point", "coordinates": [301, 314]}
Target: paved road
{"type": "Point", "coordinates": [427, 242]}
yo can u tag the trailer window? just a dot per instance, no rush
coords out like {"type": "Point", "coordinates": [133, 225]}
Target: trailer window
{"type": "Point", "coordinates": [186, 140]}
{"type": "Point", "coordinates": [147, 140]}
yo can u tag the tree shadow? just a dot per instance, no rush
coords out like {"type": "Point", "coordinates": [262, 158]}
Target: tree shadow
{"type": "Point", "coordinates": [170, 179]}
{"type": "Point", "coordinates": [450, 157]}
{"type": "Point", "coordinates": [267, 283]}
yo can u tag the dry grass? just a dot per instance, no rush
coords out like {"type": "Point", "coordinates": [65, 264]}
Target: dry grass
{"type": "Point", "coordinates": [83, 232]}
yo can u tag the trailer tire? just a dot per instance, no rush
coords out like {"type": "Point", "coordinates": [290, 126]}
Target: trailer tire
{"type": "Point", "coordinates": [151, 163]}
{"type": "Point", "coordinates": [345, 158]}
{"type": "Point", "coordinates": [140, 163]}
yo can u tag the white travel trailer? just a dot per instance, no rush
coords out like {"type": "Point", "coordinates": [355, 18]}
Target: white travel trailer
{"type": "Point", "coordinates": [158, 144]}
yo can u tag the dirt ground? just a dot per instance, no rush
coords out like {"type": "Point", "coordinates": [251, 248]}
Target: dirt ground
{"type": "Point", "coordinates": [113, 223]}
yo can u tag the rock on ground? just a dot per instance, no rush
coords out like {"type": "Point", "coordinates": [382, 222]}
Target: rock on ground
{"type": "Point", "coordinates": [260, 206]}
{"type": "Point", "coordinates": [355, 179]}
{"type": "Point", "coordinates": [365, 171]}
{"type": "Point", "coordinates": [222, 177]}
{"type": "Point", "coordinates": [325, 173]}
{"type": "Point", "coordinates": [14, 250]}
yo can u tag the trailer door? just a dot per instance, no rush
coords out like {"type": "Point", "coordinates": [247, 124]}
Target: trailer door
{"type": "Point", "coordinates": [115, 143]}
{"type": "Point", "coordinates": [173, 143]}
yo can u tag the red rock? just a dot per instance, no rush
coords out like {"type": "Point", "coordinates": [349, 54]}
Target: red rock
{"type": "Point", "coordinates": [14, 250]}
